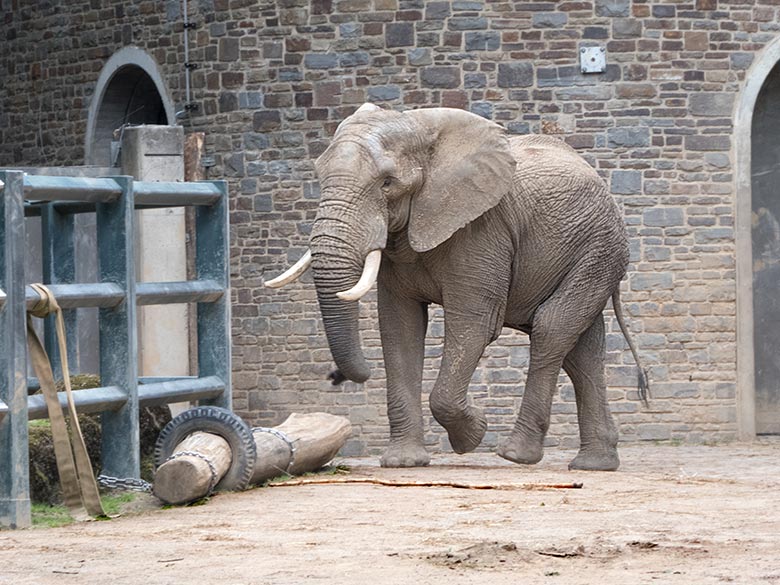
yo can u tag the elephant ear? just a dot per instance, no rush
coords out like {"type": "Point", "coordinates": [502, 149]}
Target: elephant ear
{"type": "Point", "coordinates": [469, 172]}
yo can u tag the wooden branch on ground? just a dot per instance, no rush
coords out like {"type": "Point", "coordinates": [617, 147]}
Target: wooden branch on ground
{"type": "Point", "coordinates": [452, 484]}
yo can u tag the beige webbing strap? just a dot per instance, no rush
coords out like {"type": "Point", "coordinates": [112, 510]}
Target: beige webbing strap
{"type": "Point", "coordinates": [79, 489]}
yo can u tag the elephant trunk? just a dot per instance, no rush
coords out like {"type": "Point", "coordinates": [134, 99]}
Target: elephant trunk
{"type": "Point", "coordinates": [336, 268]}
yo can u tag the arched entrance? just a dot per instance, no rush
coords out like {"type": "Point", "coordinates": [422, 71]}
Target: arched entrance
{"type": "Point", "coordinates": [129, 90]}
{"type": "Point", "coordinates": [757, 157]}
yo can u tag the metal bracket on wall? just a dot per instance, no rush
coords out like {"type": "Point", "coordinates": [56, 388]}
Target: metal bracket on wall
{"type": "Point", "coordinates": [593, 59]}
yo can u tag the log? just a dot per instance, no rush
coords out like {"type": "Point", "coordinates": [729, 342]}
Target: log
{"type": "Point", "coordinates": [302, 443]}
{"type": "Point", "coordinates": [198, 463]}
{"type": "Point", "coordinates": [317, 437]}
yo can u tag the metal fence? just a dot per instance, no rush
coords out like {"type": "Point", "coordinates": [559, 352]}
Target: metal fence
{"type": "Point", "coordinates": [116, 295]}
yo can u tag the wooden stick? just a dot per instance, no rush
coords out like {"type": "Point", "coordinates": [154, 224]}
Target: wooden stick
{"type": "Point", "coordinates": [452, 484]}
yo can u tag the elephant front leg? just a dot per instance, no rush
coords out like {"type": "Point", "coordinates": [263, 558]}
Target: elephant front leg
{"type": "Point", "coordinates": [465, 338]}
{"type": "Point", "coordinates": [403, 323]}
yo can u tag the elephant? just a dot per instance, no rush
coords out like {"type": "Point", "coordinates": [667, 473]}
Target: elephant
{"type": "Point", "coordinates": [438, 205]}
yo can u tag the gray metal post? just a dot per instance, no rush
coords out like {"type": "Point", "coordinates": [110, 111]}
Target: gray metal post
{"type": "Point", "coordinates": [14, 467]}
{"type": "Point", "coordinates": [59, 267]}
{"type": "Point", "coordinates": [118, 344]}
{"type": "Point", "coordinates": [212, 262]}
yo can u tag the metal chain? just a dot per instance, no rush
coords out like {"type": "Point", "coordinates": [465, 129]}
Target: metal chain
{"type": "Point", "coordinates": [124, 483]}
{"type": "Point", "coordinates": [280, 435]}
{"type": "Point", "coordinates": [212, 469]}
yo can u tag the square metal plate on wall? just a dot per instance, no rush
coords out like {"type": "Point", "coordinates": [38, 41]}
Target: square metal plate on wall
{"type": "Point", "coordinates": [593, 59]}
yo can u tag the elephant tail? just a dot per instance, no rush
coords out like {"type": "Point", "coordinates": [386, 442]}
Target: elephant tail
{"type": "Point", "coordinates": [642, 382]}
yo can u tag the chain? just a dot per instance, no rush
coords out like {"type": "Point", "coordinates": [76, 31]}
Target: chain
{"type": "Point", "coordinates": [124, 483]}
{"type": "Point", "coordinates": [280, 435]}
{"type": "Point", "coordinates": [212, 469]}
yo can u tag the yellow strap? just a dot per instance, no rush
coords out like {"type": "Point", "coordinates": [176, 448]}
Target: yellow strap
{"type": "Point", "coordinates": [79, 489]}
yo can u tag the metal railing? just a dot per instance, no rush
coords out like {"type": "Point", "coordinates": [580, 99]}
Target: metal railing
{"type": "Point", "coordinates": [117, 295]}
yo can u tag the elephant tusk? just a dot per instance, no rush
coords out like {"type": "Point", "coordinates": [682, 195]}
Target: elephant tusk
{"type": "Point", "coordinates": [367, 279]}
{"type": "Point", "coordinates": [292, 273]}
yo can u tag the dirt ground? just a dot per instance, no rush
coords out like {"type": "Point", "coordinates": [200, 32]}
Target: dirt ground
{"type": "Point", "coordinates": [691, 514]}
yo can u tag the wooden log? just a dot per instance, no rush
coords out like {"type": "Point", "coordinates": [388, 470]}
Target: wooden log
{"type": "Point", "coordinates": [302, 443]}
{"type": "Point", "coordinates": [198, 463]}
{"type": "Point", "coordinates": [316, 438]}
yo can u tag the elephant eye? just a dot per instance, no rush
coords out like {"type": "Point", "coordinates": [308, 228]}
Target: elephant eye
{"type": "Point", "coordinates": [387, 182]}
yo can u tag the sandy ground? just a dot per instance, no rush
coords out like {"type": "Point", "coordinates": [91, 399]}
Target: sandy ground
{"type": "Point", "coordinates": [692, 515]}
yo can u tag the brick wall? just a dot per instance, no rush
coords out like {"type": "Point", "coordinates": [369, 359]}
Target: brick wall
{"type": "Point", "coordinates": [274, 80]}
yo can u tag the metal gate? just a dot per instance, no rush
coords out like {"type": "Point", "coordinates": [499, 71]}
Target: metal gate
{"type": "Point", "coordinates": [117, 294]}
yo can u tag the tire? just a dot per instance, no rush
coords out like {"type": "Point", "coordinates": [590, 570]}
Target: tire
{"type": "Point", "coordinates": [219, 421]}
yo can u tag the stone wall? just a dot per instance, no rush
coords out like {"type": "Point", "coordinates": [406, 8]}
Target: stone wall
{"type": "Point", "coordinates": [274, 79]}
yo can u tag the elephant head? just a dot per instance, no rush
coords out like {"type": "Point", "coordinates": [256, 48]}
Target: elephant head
{"type": "Point", "coordinates": [421, 174]}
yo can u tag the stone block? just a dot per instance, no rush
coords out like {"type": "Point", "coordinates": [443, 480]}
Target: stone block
{"type": "Point", "coordinates": [626, 28]}
{"type": "Point", "coordinates": [327, 93]}
{"type": "Point", "coordinates": [717, 160]}
{"type": "Point", "coordinates": [635, 90]}
{"type": "Point", "coordinates": [384, 93]}
{"type": "Point", "coordinates": [228, 49]}
{"type": "Point", "coordinates": [626, 182]}
{"type": "Point", "coordinates": [484, 109]}
{"type": "Point", "coordinates": [518, 128]}
{"type": "Point", "coordinates": [708, 142]}
{"type": "Point", "coordinates": [444, 77]}
{"type": "Point", "coordinates": [651, 281]}
{"type": "Point", "coordinates": [321, 60]}
{"type": "Point", "coordinates": [250, 100]}
{"type": "Point", "coordinates": [266, 120]}
{"type": "Point", "coordinates": [437, 10]}
{"type": "Point", "coordinates": [612, 7]}
{"type": "Point", "coordinates": [711, 104]}
{"type": "Point", "coordinates": [549, 19]}
{"type": "Point", "coordinates": [399, 34]}
{"type": "Point", "coordinates": [519, 74]}
{"type": "Point", "coordinates": [468, 6]}
{"type": "Point", "coordinates": [663, 217]}
{"type": "Point", "coordinates": [354, 59]}
{"type": "Point", "coordinates": [419, 56]}
{"type": "Point", "coordinates": [696, 40]}
{"type": "Point", "coordinates": [654, 432]}
{"type": "Point", "coordinates": [741, 60]}
{"type": "Point", "coordinates": [255, 141]}
{"type": "Point", "coordinates": [228, 102]}
{"type": "Point", "coordinates": [483, 41]}
{"type": "Point", "coordinates": [713, 235]}
{"type": "Point", "coordinates": [474, 80]}
{"type": "Point", "coordinates": [664, 11]}
{"type": "Point", "coordinates": [467, 23]}
{"type": "Point", "coordinates": [628, 137]}
{"type": "Point", "coordinates": [350, 30]}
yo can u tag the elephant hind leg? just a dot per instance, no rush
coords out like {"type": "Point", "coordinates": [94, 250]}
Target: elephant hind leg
{"type": "Point", "coordinates": [557, 326]}
{"type": "Point", "coordinates": [598, 435]}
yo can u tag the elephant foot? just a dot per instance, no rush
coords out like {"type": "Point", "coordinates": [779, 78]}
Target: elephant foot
{"type": "Point", "coordinates": [405, 455]}
{"type": "Point", "coordinates": [465, 431]}
{"type": "Point", "coordinates": [603, 459]}
{"type": "Point", "coordinates": [520, 449]}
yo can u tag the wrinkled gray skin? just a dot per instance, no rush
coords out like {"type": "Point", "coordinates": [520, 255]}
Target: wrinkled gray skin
{"type": "Point", "coordinates": [518, 233]}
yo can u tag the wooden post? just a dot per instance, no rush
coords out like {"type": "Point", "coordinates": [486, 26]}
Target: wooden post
{"type": "Point", "coordinates": [302, 443]}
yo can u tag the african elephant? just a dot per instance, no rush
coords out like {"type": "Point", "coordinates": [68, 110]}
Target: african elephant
{"type": "Point", "coordinates": [519, 233]}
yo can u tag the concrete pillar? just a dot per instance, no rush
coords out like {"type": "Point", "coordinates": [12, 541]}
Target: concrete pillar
{"type": "Point", "coordinates": [156, 153]}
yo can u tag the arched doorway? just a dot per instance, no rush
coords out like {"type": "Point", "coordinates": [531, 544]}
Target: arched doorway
{"type": "Point", "coordinates": [129, 90]}
{"type": "Point", "coordinates": [757, 158]}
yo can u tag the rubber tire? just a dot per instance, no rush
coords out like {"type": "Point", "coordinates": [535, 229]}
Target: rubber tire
{"type": "Point", "coordinates": [219, 421]}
